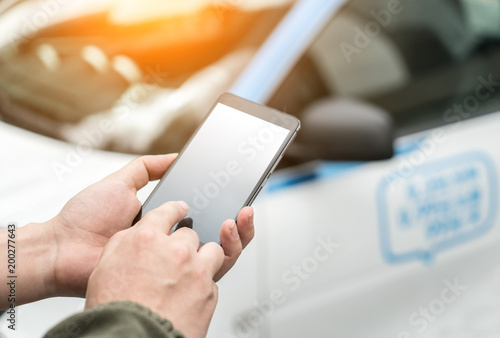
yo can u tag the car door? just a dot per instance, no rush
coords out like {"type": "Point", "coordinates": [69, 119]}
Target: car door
{"type": "Point", "coordinates": [403, 247]}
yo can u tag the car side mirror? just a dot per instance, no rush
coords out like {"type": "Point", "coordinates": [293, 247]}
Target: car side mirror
{"type": "Point", "coordinates": [343, 129]}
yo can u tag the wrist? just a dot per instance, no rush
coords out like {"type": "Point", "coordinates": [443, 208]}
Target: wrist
{"type": "Point", "coordinates": [37, 251]}
{"type": "Point", "coordinates": [30, 251]}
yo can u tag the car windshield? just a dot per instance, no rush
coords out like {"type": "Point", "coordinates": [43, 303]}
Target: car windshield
{"type": "Point", "coordinates": [132, 76]}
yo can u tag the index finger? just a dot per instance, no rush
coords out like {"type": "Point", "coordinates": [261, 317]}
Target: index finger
{"type": "Point", "coordinates": [144, 169]}
{"type": "Point", "coordinates": [165, 217]}
{"type": "Point", "coordinates": [212, 255]}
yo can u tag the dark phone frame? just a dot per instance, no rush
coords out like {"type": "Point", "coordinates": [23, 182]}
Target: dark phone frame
{"type": "Point", "coordinates": [291, 123]}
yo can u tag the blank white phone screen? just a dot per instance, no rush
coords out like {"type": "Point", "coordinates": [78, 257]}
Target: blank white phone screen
{"type": "Point", "coordinates": [220, 168]}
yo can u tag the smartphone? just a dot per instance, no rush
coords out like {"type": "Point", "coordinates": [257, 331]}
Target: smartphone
{"type": "Point", "coordinates": [225, 164]}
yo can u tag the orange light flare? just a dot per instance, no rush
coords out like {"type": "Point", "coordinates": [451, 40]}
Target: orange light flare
{"type": "Point", "coordinates": [175, 43]}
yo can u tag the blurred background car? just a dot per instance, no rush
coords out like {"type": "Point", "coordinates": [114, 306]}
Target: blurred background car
{"type": "Point", "coordinates": [151, 69]}
{"type": "Point", "coordinates": [396, 164]}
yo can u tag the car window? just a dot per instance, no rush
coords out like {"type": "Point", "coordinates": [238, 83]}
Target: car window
{"type": "Point", "coordinates": [146, 69]}
{"type": "Point", "coordinates": [427, 63]}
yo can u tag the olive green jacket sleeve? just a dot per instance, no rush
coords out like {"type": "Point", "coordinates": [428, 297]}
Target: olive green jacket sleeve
{"type": "Point", "coordinates": [115, 319]}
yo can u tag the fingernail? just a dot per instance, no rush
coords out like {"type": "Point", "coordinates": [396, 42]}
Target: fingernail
{"type": "Point", "coordinates": [234, 230]}
{"type": "Point", "coordinates": [250, 218]}
{"type": "Point", "coordinates": [183, 205]}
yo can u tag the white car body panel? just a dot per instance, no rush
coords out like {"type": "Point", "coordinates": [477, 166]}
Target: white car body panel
{"type": "Point", "coordinates": [357, 291]}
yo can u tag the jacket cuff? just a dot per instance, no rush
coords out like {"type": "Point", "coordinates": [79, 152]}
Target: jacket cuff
{"type": "Point", "coordinates": [115, 319]}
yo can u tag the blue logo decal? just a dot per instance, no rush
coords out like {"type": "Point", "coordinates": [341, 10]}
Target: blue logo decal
{"type": "Point", "coordinates": [441, 205]}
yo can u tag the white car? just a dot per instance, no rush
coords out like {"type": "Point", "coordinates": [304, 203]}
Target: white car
{"type": "Point", "coordinates": [371, 247]}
